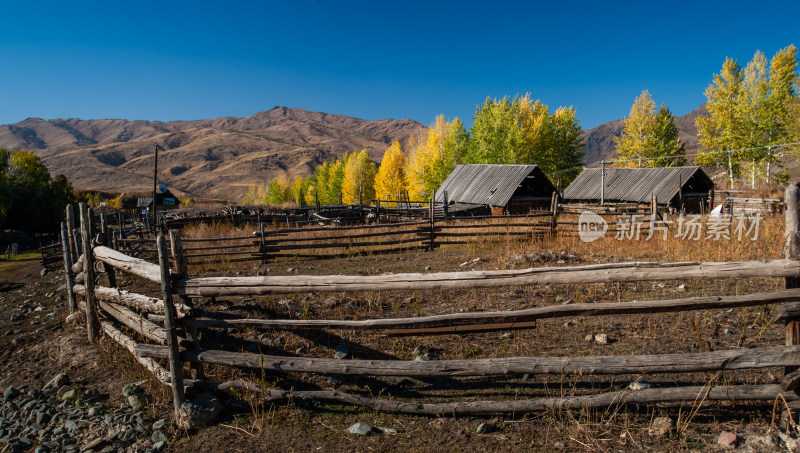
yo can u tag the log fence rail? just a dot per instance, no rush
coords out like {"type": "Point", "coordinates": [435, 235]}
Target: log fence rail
{"type": "Point", "coordinates": [176, 326]}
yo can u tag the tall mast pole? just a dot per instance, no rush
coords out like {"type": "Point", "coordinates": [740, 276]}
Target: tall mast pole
{"type": "Point", "coordinates": [155, 184]}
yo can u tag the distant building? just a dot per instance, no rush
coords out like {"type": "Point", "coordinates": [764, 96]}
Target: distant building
{"type": "Point", "coordinates": [683, 188]}
{"type": "Point", "coordinates": [496, 189]}
{"type": "Point", "coordinates": [140, 201]}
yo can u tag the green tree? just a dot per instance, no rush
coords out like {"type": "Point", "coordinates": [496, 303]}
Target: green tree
{"type": "Point", "coordinates": [563, 156]}
{"type": "Point", "coordinates": [749, 112]}
{"type": "Point", "coordinates": [31, 200]}
{"type": "Point", "coordinates": [666, 149]}
{"type": "Point", "coordinates": [721, 132]}
{"type": "Point", "coordinates": [522, 131]}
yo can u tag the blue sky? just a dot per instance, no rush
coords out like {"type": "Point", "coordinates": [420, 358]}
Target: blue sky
{"type": "Point", "coordinates": [185, 60]}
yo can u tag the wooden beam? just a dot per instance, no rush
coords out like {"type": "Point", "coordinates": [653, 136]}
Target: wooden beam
{"type": "Point", "coordinates": [635, 364]}
{"type": "Point", "coordinates": [128, 264]}
{"type": "Point", "coordinates": [597, 273]}
{"type": "Point", "coordinates": [160, 373]}
{"type": "Point", "coordinates": [644, 396]}
{"type": "Point", "coordinates": [510, 319]}
{"type": "Point", "coordinates": [138, 302]}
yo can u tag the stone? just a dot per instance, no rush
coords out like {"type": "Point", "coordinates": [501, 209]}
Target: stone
{"type": "Point", "coordinates": [69, 394]}
{"type": "Point", "coordinates": [134, 388]}
{"type": "Point", "coordinates": [727, 439]}
{"type": "Point", "coordinates": [135, 402]}
{"type": "Point", "coordinates": [421, 358]}
{"type": "Point", "coordinates": [569, 324]}
{"type": "Point", "coordinates": [158, 436]}
{"type": "Point", "coordinates": [601, 338]}
{"type": "Point", "coordinates": [301, 350]}
{"type": "Point", "coordinates": [160, 424]}
{"type": "Point", "coordinates": [70, 425]}
{"type": "Point", "coordinates": [11, 393]}
{"type": "Point", "coordinates": [681, 288]}
{"type": "Point", "coordinates": [484, 428]}
{"type": "Point", "coordinates": [640, 385]}
{"type": "Point", "coordinates": [93, 444]}
{"type": "Point", "coordinates": [158, 446]}
{"type": "Point", "coordinates": [559, 446]}
{"type": "Point", "coordinates": [660, 427]}
{"type": "Point", "coordinates": [335, 380]}
{"type": "Point", "coordinates": [589, 337]}
{"type": "Point", "coordinates": [43, 272]}
{"type": "Point", "coordinates": [58, 381]}
{"type": "Point", "coordinates": [386, 430]}
{"type": "Point", "coordinates": [202, 411]}
{"type": "Point", "coordinates": [507, 336]}
{"type": "Point", "coordinates": [360, 428]}
{"type": "Point", "coordinates": [341, 355]}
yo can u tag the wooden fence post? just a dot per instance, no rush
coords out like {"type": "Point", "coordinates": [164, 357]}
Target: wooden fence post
{"type": "Point", "coordinates": [263, 244]}
{"type": "Point", "coordinates": [70, 277]}
{"type": "Point", "coordinates": [377, 210]}
{"type": "Point", "coordinates": [182, 268]}
{"type": "Point", "coordinates": [92, 322]}
{"type": "Point", "coordinates": [554, 212]}
{"type": "Point", "coordinates": [109, 270]}
{"type": "Point", "coordinates": [432, 214]}
{"type": "Point", "coordinates": [70, 233]}
{"type": "Point", "coordinates": [175, 365]}
{"type": "Point", "coordinates": [792, 249]}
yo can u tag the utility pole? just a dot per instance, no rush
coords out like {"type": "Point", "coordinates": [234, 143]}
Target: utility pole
{"type": "Point", "coordinates": [602, 183]}
{"type": "Point", "coordinates": [155, 184]}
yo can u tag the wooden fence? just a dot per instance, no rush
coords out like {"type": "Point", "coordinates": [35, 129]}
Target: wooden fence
{"type": "Point", "coordinates": [429, 234]}
{"type": "Point", "coordinates": [168, 329]}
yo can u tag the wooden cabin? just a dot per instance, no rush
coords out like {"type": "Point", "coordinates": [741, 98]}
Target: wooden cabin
{"type": "Point", "coordinates": [496, 189]}
{"type": "Point", "coordinates": [682, 188]}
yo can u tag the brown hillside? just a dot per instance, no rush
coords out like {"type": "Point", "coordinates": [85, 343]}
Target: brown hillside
{"type": "Point", "coordinates": [216, 158]}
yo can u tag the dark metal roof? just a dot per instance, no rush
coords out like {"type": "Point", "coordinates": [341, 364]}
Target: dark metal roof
{"type": "Point", "coordinates": [637, 184]}
{"type": "Point", "coordinates": [489, 184]}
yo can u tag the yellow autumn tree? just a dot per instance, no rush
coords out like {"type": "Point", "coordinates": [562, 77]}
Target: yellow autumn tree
{"type": "Point", "coordinates": [359, 178]}
{"type": "Point", "coordinates": [391, 178]}
{"type": "Point", "coordinates": [433, 155]}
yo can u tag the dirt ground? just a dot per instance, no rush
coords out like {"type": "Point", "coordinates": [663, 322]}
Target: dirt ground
{"type": "Point", "coordinates": [39, 344]}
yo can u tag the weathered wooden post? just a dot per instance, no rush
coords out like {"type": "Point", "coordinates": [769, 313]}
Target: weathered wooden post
{"type": "Point", "coordinates": [92, 321]}
{"type": "Point", "coordinates": [554, 212]}
{"type": "Point", "coordinates": [70, 277]}
{"type": "Point", "coordinates": [792, 250]}
{"type": "Point", "coordinates": [182, 268]}
{"type": "Point", "coordinates": [175, 365]}
{"type": "Point", "coordinates": [112, 276]}
{"type": "Point", "coordinates": [70, 232]}
{"type": "Point", "coordinates": [263, 244]}
{"type": "Point", "coordinates": [377, 210]}
{"type": "Point", "coordinates": [432, 215]}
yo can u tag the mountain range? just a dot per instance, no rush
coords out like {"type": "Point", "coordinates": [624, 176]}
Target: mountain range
{"type": "Point", "coordinates": [219, 158]}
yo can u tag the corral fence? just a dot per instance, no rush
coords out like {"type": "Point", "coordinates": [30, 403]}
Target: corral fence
{"type": "Point", "coordinates": [165, 333]}
{"type": "Point", "coordinates": [437, 230]}
{"type": "Point", "coordinates": [51, 255]}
